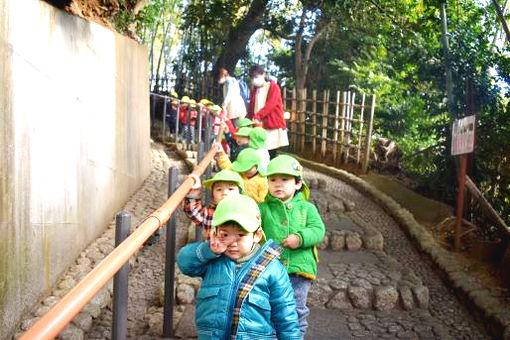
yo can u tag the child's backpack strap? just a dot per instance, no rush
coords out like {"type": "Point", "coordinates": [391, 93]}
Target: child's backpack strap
{"type": "Point", "coordinates": [273, 251]}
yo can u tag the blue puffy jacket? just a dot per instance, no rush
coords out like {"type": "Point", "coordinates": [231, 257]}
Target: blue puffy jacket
{"type": "Point", "coordinates": [269, 307]}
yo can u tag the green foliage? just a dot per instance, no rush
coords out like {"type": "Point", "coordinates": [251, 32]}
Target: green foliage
{"type": "Point", "coordinates": [392, 48]}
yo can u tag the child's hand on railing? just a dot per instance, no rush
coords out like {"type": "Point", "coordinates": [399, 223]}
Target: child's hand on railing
{"type": "Point", "coordinates": [196, 188]}
{"type": "Point", "coordinates": [219, 147]}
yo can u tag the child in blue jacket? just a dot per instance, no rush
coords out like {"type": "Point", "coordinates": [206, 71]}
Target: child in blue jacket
{"type": "Point", "coordinates": [245, 292]}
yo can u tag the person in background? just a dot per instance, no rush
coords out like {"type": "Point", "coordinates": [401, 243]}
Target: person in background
{"type": "Point", "coordinates": [171, 114]}
{"type": "Point", "coordinates": [266, 108]}
{"type": "Point", "coordinates": [233, 103]}
{"type": "Point", "coordinates": [183, 116]}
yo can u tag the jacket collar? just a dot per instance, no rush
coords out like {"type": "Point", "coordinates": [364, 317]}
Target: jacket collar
{"type": "Point", "coordinates": [298, 196]}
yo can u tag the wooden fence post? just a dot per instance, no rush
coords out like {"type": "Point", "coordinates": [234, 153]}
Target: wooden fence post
{"type": "Point", "coordinates": [325, 109]}
{"type": "Point", "coordinates": [368, 137]}
{"type": "Point", "coordinates": [294, 120]}
{"type": "Point", "coordinates": [360, 130]}
{"type": "Point", "coordinates": [348, 124]}
{"type": "Point", "coordinates": [335, 132]}
{"type": "Point", "coordinates": [342, 128]}
{"type": "Point", "coordinates": [302, 114]}
{"type": "Point", "coordinates": [314, 122]}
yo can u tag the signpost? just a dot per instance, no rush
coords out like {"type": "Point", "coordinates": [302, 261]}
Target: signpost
{"type": "Point", "coordinates": [463, 137]}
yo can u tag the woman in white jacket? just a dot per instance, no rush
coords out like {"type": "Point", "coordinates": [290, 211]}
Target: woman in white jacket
{"type": "Point", "coordinates": [233, 102]}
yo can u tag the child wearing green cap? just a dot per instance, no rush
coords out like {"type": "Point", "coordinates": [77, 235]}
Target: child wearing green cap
{"type": "Point", "coordinates": [241, 141]}
{"type": "Point", "coordinates": [257, 139]}
{"type": "Point", "coordinates": [223, 184]}
{"type": "Point", "coordinates": [248, 166]}
{"type": "Point", "coordinates": [295, 223]}
{"type": "Point", "coordinates": [245, 291]}
{"type": "Point", "coordinates": [246, 122]}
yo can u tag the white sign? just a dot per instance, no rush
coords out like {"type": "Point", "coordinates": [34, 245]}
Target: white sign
{"type": "Point", "coordinates": [463, 135]}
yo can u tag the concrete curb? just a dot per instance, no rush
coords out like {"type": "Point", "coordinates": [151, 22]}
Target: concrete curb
{"type": "Point", "coordinates": [497, 316]}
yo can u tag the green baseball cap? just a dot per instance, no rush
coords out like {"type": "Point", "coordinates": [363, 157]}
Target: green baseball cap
{"type": "Point", "coordinates": [241, 209]}
{"type": "Point", "coordinates": [244, 132]}
{"type": "Point", "coordinates": [288, 165]}
{"type": "Point", "coordinates": [245, 122]}
{"type": "Point", "coordinates": [246, 159]}
{"type": "Point", "coordinates": [225, 176]}
{"type": "Point", "coordinates": [285, 165]}
{"type": "Point", "coordinates": [258, 137]}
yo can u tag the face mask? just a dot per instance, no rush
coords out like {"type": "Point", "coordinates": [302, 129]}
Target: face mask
{"type": "Point", "coordinates": [222, 80]}
{"type": "Point", "coordinates": [258, 81]}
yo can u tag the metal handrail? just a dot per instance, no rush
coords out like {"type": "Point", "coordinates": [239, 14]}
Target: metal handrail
{"type": "Point", "coordinates": [62, 313]}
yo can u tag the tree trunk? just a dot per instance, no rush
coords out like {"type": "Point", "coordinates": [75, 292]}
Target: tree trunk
{"type": "Point", "coordinates": [153, 40]}
{"type": "Point", "coordinates": [165, 37]}
{"type": "Point", "coordinates": [239, 36]}
{"type": "Point", "coordinates": [301, 59]}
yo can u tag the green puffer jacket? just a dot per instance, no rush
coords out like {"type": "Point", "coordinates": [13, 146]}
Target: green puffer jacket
{"type": "Point", "coordinates": [298, 216]}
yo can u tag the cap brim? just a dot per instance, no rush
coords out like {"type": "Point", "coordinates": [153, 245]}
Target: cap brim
{"type": "Point", "coordinates": [238, 167]}
{"type": "Point", "coordinates": [245, 223]}
{"type": "Point", "coordinates": [209, 183]}
{"type": "Point", "coordinates": [280, 172]}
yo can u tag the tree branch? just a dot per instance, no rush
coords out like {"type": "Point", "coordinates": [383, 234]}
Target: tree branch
{"type": "Point", "coordinates": [502, 19]}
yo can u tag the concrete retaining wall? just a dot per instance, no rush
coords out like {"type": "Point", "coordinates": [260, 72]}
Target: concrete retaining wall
{"type": "Point", "coordinates": [74, 142]}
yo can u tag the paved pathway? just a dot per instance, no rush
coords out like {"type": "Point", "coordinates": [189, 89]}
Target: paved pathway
{"type": "Point", "coordinates": [373, 283]}
{"type": "Point", "coordinates": [400, 264]}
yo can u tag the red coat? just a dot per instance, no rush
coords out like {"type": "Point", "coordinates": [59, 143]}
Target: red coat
{"type": "Point", "coordinates": [183, 115]}
{"type": "Point", "coordinates": [271, 114]}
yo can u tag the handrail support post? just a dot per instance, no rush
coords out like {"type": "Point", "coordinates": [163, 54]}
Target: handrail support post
{"type": "Point", "coordinates": [168, 308]}
{"type": "Point", "coordinates": [120, 281]}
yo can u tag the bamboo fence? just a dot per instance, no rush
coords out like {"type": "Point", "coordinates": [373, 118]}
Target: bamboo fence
{"type": "Point", "coordinates": [336, 129]}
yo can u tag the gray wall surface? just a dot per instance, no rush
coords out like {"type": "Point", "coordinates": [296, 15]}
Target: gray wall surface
{"type": "Point", "coordinates": [74, 143]}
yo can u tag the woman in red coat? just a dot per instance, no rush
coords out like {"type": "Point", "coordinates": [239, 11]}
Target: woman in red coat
{"type": "Point", "coordinates": [266, 108]}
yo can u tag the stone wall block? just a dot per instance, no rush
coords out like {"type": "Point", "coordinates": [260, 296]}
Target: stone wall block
{"type": "Point", "coordinates": [373, 240]}
{"type": "Point", "coordinates": [353, 241]}
{"type": "Point", "coordinates": [385, 298]}
{"type": "Point", "coordinates": [337, 240]}
{"type": "Point", "coordinates": [71, 332]}
{"type": "Point", "coordinates": [421, 293]}
{"type": "Point", "coordinates": [406, 297]}
{"type": "Point", "coordinates": [320, 293]}
{"type": "Point", "coordinates": [83, 321]}
{"type": "Point", "coordinates": [185, 294]}
{"type": "Point", "coordinates": [325, 241]}
{"type": "Point", "coordinates": [360, 297]}
{"type": "Point", "coordinates": [349, 206]}
{"type": "Point", "coordinates": [340, 301]}
{"type": "Point", "coordinates": [195, 282]}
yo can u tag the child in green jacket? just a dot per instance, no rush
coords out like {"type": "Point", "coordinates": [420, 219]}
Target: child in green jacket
{"type": "Point", "coordinates": [289, 219]}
